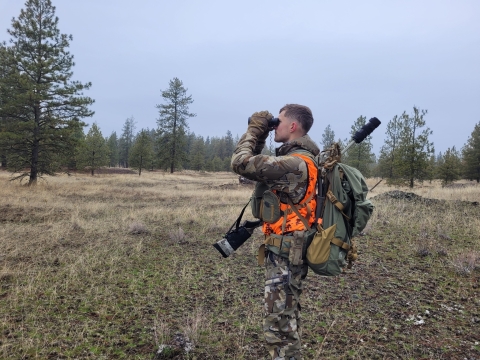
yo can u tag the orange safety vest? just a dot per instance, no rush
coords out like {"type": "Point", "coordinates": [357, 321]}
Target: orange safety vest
{"type": "Point", "coordinates": [306, 206]}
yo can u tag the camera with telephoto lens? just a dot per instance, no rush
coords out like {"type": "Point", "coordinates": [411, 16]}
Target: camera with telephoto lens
{"type": "Point", "coordinates": [235, 238]}
{"type": "Point", "coordinates": [271, 123]}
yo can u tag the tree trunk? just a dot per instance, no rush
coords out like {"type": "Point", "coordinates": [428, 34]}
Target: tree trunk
{"type": "Point", "coordinates": [4, 161]}
{"type": "Point", "coordinates": [172, 164]}
{"type": "Point", "coordinates": [92, 170]}
{"type": "Point", "coordinates": [35, 149]}
{"type": "Point", "coordinates": [140, 167]}
{"type": "Point", "coordinates": [412, 156]}
{"type": "Point", "coordinates": [34, 164]}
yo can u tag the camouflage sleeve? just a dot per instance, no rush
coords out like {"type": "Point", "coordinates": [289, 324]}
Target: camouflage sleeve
{"type": "Point", "coordinates": [284, 173]}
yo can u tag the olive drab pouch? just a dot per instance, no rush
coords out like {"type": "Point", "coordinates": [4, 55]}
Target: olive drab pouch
{"type": "Point", "coordinates": [256, 199]}
{"type": "Point", "coordinates": [265, 204]}
{"type": "Point", "coordinates": [325, 251]}
{"type": "Point", "coordinates": [270, 207]}
{"type": "Point", "coordinates": [319, 250]}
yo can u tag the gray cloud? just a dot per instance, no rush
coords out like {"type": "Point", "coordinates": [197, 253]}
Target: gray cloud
{"type": "Point", "coordinates": [343, 59]}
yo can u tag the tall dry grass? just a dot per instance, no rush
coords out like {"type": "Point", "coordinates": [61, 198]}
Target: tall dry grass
{"type": "Point", "coordinates": [116, 266]}
{"type": "Point", "coordinates": [75, 240]}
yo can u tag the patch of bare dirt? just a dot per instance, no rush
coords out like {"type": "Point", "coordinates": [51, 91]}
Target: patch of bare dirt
{"type": "Point", "coordinates": [17, 214]}
{"type": "Point", "coordinates": [109, 170]}
{"type": "Point", "coordinates": [409, 196]}
{"type": "Point", "coordinates": [461, 185]}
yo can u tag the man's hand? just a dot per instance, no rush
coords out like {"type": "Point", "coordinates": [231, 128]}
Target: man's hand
{"type": "Point", "coordinates": [259, 124]}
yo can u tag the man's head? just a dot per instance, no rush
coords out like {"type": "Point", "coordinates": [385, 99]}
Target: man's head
{"type": "Point", "coordinates": [295, 121]}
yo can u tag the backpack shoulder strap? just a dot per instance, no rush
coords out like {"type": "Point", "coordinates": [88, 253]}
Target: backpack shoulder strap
{"type": "Point", "coordinates": [333, 199]}
{"type": "Point", "coordinates": [294, 208]}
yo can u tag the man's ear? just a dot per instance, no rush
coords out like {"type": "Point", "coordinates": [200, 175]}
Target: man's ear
{"type": "Point", "coordinates": [293, 126]}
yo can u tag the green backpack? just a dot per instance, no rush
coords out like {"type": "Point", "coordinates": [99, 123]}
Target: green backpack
{"type": "Point", "coordinates": [345, 214]}
{"type": "Point", "coordinates": [346, 211]}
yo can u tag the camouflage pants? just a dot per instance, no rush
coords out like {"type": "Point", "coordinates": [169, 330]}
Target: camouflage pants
{"type": "Point", "coordinates": [281, 325]}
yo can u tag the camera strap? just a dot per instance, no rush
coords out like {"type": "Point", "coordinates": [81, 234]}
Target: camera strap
{"type": "Point", "coordinates": [237, 222]}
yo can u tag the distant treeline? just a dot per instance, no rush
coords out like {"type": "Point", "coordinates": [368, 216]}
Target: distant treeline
{"type": "Point", "coordinates": [407, 155]}
{"type": "Point", "coordinates": [146, 149]}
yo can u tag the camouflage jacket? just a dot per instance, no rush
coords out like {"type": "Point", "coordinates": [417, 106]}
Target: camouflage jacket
{"type": "Point", "coordinates": [282, 172]}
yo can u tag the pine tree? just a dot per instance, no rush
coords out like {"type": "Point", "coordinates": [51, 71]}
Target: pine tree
{"type": "Point", "coordinates": [4, 72]}
{"type": "Point", "coordinates": [432, 169]}
{"type": "Point", "coordinates": [40, 105]}
{"type": "Point", "coordinates": [70, 157]}
{"type": "Point", "coordinates": [208, 152]}
{"type": "Point", "coordinates": [328, 137]}
{"type": "Point", "coordinates": [471, 155]}
{"type": "Point", "coordinates": [227, 164]}
{"type": "Point", "coordinates": [414, 148]}
{"type": "Point", "coordinates": [386, 161]}
{"type": "Point", "coordinates": [113, 149]}
{"type": "Point", "coordinates": [360, 155]}
{"type": "Point", "coordinates": [229, 145]}
{"type": "Point", "coordinates": [439, 158]}
{"type": "Point", "coordinates": [189, 144]}
{"type": "Point", "coordinates": [94, 153]}
{"type": "Point", "coordinates": [219, 148]}
{"type": "Point", "coordinates": [153, 138]}
{"type": "Point", "coordinates": [217, 163]}
{"type": "Point", "coordinates": [164, 149]}
{"type": "Point", "coordinates": [126, 141]}
{"type": "Point", "coordinates": [450, 168]}
{"type": "Point", "coordinates": [142, 151]}
{"type": "Point", "coordinates": [172, 122]}
{"type": "Point", "coordinates": [198, 154]}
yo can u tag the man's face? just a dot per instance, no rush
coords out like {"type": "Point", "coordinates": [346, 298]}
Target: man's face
{"type": "Point", "coordinates": [282, 131]}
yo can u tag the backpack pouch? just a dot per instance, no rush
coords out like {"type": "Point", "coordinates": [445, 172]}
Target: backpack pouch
{"type": "Point", "coordinates": [270, 207]}
{"type": "Point", "coordinates": [257, 198]}
{"type": "Point", "coordinates": [323, 255]}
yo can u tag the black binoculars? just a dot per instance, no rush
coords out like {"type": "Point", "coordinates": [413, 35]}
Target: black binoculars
{"type": "Point", "coordinates": [271, 123]}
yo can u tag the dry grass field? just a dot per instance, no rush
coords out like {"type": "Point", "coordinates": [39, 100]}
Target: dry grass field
{"type": "Point", "coordinates": [120, 266]}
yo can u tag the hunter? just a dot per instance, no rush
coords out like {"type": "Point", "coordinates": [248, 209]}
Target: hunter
{"type": "Point", "coordinates": [291, 175]}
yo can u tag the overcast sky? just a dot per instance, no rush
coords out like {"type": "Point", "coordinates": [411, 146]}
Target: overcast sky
{"type": "Point", "coordinates": [343, 59]}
